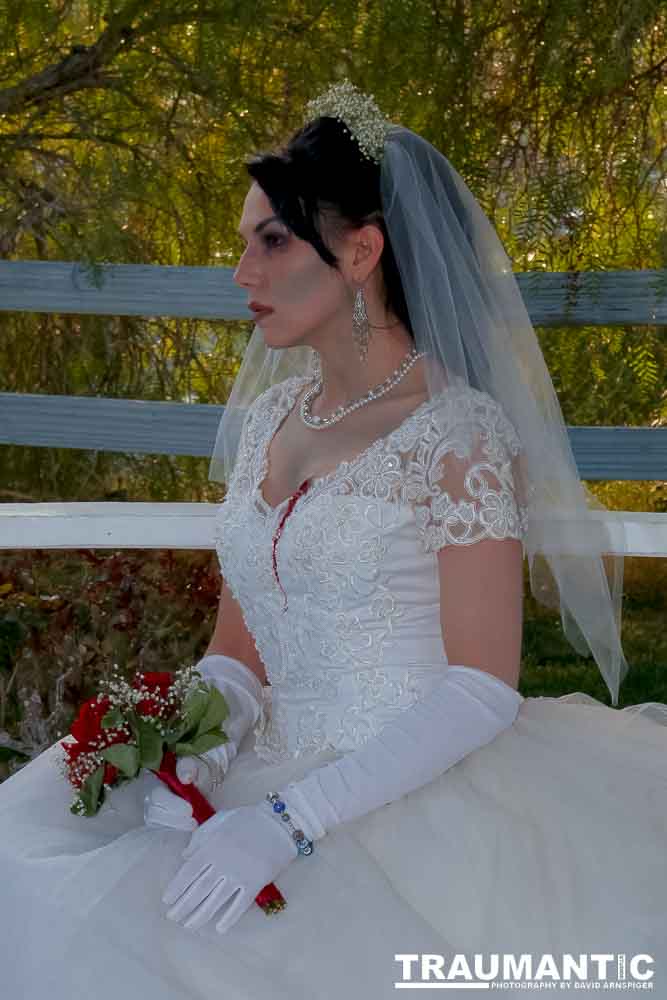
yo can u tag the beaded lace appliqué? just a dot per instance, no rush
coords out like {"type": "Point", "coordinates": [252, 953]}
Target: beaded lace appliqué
{"type": "Point", "coordinates": [361, 639]}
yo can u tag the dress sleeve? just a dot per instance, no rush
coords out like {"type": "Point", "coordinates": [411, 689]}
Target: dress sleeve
{"type": "Point", "coordinates": [466, 471]}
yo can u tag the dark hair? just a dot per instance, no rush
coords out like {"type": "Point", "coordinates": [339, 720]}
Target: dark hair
{"type": "Point", "coordinates": [320, 183]}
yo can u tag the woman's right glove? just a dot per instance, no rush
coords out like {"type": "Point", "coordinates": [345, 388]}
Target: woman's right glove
{"type": "Point", "coordinates": [242, 690]}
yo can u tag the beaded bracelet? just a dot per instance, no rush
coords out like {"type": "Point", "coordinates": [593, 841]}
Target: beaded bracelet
{"type": "Point", "coordinates": [303, 845]}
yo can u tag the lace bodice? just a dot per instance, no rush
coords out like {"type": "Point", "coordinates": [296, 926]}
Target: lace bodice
{"type": "Point", "coordinates": [339, 584]}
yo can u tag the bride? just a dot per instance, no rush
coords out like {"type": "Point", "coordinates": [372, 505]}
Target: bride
{"type": "Point", "coordinates": [392, 449]}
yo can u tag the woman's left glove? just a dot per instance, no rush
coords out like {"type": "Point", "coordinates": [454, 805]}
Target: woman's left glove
{"type": "Point", "coordinates": [229, 859]}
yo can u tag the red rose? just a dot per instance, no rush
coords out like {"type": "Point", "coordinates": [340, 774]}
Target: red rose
{"type": "Point", "coordinates": [110, 773]}
{"type": "Point", "coordinates": [76, 773]}
{"type": "Point", "coordinates": [90, 736]}
{"type": "Point", "coordinates": [157, 683]}
{"type": "Point", "coordinates": [155, 679]}
{"type": "Point", "coordinates": [79, 770]}
{"type": "Point", "coordinates": [87, 727]}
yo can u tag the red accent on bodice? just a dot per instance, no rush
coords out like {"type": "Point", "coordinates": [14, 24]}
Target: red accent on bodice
{"type": "Point", "coordinates": [279, 530]}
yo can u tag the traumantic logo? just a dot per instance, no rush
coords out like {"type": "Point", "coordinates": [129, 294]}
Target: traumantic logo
{"type": "Point", "coordinates": [495, 971]}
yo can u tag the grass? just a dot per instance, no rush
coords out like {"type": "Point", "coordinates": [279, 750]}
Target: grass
{"type": "Point", "coordinates": [550, 666]}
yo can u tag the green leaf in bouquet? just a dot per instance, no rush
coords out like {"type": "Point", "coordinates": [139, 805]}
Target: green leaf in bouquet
{"type": "Point", "coordinates": [194, 707]}
{"type": "Point", "coordinates": [124, 756]}
{"type": "Point", "coordinates": [150, 744]}
{"type": "Point", "coordinates": [216, 710]}
{"type": "Point", "coordinates": [113, 719]}
{"type": "Point", "coordinates": [132, 720]}
{"type": "Point", "coordinates": [91, 794]}
{"type": "Point", "coordinates": [200, 744]}
{"type": "Point", "coordinates": [172, 736]}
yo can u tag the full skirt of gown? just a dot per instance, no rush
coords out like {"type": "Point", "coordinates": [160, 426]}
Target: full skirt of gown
{"type": "Point", "coordinates": [550, 839]}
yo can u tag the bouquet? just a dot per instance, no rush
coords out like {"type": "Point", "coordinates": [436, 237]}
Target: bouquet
{"type": "Point", "coordinates": [147, 723]}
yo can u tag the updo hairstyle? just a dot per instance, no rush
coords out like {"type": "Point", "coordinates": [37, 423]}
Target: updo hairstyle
{"type": "Point", "coordinates": [320, 185]}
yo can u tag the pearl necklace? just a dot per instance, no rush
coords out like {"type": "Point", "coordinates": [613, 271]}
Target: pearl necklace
{"type": "Point", "coordinates": [321, 423]}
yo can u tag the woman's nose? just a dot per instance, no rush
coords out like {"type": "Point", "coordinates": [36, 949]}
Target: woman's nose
{"type": "Point", "coordinates": [245, 273]}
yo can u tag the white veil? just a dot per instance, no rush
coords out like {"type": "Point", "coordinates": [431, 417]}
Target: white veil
{"type": "Point", "coordinates": [468, 316]}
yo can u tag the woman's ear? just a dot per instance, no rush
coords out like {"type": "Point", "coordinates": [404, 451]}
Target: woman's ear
{"type": "Point", "coordinates": [367, 246]}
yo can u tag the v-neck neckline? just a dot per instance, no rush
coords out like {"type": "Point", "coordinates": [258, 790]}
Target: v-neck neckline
{"type": "Point", "coordinates": [285, 405]}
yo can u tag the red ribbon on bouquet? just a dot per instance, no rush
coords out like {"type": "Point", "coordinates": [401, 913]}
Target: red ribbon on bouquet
{"type": "Point", "coordinates": [270, 898]}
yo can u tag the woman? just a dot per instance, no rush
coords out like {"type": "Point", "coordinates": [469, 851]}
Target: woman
{"type": "Point", "coordinates": [392, 448]}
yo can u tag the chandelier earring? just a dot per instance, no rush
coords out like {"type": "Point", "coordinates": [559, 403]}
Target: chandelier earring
{"type": "Point", "coordinates": [361, 328]}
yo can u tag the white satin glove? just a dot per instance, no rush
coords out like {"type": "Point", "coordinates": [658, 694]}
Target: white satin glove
{"type": "Point", "coordinates": [466, 710]}
{"type": "Point", "coordinates": [163, 808]}
{"type": "Point", "coordinates": [242, 691]}
{"type": "Point", "coordinates": [229, 859]}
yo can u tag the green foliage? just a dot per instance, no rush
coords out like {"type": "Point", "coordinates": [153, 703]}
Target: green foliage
{"type": "Point", "coordinates": [216, 712]}
{"type": "Point", "coordinates": [113, 719]}
{"type": "Point", "coordinates": [199, 745]}
{"type": "Point", "coordinates": [123, 131]}
{"type": "Point", "coordinates": [119, 357]}
{"type": "Point", "coordinates": [90, 794]}
{"type": "Point", "coordinates": [149, 740]}
{"type": "Point", "coordinates": [204, 713]}
{"type": "Point", "coordinates": [558, 130]}
{"type": "Point", "coordinates": [73, 615]}
{"type": "Point", "coordinates": [127, 758]}
{"type": "Point", "coordinates": [611, 376]}
{"type": "Point", "coordinates": [140, 159]}
{"type": "Point", "coordinates": [195, 708]}
{"type": "Point", "coordinates": [550, 667]}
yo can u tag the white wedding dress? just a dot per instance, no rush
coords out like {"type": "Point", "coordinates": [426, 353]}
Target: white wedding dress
{"type": "Point", "coordinates": [550, 839]}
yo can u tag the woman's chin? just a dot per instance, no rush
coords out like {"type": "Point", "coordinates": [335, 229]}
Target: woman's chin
{"type": "Point", "coordinates": [273, 337]}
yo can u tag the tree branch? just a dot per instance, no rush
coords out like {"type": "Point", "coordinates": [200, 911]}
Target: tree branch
{"type": "Point", "coordinates": [81, 69]}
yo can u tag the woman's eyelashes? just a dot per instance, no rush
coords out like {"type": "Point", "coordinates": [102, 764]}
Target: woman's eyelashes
{"type": "Point", "coordinates": [270, 240]}
{"type": "Point", "coordinates": [274, 240]}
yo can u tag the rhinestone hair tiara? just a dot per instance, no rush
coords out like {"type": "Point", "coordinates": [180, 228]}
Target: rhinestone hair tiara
{"type": "Point", "coordinates": [361, 116]}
